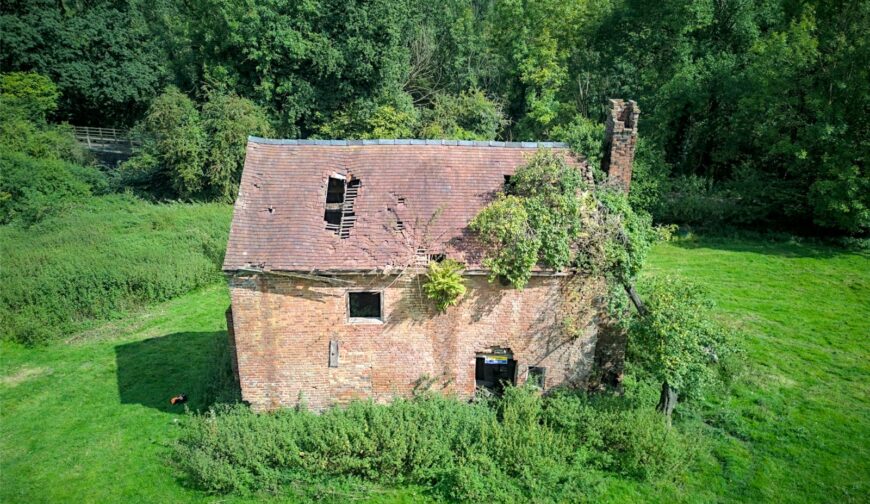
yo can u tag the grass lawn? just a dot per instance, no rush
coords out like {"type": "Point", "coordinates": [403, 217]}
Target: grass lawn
{"type": "Point", "coordinates": [798, 430]}
{"type": "Point", "coordinates": [88, 420]}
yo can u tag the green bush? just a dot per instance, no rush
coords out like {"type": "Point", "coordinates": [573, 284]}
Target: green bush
{"type": "Point", "coordinates": [33, 189]}
{"type": "Point", "coordinates": [620, 434]}
{"type": "Point", "coordinates": [36, 95]}
{"type": "Point", "coordinates": [679, 341]}
{"type": "Point", "coordinates": [585, 137]}
{"type": "Point", "coordinates": [190, 152]}
{"type": "Point", "coordinates": [389, 115]}
{"type": "Point", "coordinates": [444, 284]}
{"type": "Point", "coordinates": [552, 218]}
{"type": "Point", "coordinates": [101, 257]}
{"type": "Point", "coordinates": [26, 99]}
{"type": "Point", "coordinates": [511, 244]}
{"type": "Point", "coordinates": [470, 115]}
{"type": "Point", "coordinates": [518, 448]}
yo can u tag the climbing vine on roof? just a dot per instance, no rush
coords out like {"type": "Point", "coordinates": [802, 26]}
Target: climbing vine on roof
{"type": "Point", "coordinates": [549, 215]}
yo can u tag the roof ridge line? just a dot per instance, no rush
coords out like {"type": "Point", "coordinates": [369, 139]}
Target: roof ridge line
{"type": "Point", "coordinates": [408, 141]}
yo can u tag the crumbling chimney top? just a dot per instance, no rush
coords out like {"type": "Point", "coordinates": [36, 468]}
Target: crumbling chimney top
{"type": "Point", "coordinates": [620, 141]}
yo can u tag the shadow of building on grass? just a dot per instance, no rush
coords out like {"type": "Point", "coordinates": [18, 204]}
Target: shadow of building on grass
{"type": "Point", "coordinates": [152, 371]}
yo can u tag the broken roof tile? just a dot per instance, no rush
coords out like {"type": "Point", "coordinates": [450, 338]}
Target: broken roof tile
{"type": "Point", "coordinates": [450, 179]}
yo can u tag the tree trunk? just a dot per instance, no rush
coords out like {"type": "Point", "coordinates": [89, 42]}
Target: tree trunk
{"type": "Point", "coordinates": [635, 298]}
{"type": "Point", "coordinates": [667, 401]}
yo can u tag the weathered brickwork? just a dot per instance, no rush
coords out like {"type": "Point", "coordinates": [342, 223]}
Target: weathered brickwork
{"type": "Point", "coordinates": [620, 141]}
{"type": "Point", "coordinates": [283, 327]}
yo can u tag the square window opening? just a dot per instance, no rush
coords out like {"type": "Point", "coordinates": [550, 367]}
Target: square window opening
{"type": "Point", "coordinates": [364, 305]}
{"type": "Point", "coordinates": [537, 376]}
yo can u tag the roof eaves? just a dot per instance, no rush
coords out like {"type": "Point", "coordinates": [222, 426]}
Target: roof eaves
{"type": "Point", "coordinates": [409, 141]}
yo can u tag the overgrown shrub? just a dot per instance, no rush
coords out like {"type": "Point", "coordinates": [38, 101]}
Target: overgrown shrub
{"type": "Point", "coordinates": [518, 448]}
{"type": "Point", "coordinates": [390, 115]}
{"type": "Point", "coordinates": [470, 115]}
{"type": "Point", "coordinates": [621, 434]}
{"type": "Point", "coordinates": [227, 121]}
{"type": "Point", "coordinates": [511, 244]}
{"type": "Point", "coordinates": [585, 137]}
{"type": "Point", "coordinates": [101, 257]}
{"type": "Point", "coordinates": [34, 94]}
{"type": "Point", "coordinates": [26, 99]}
{"type": "Point", "coordinates": [553, 218]}
{"type": "Point", "coordinates": [193, 153]}
{"type": "Point", "coordinates": [33, 189]}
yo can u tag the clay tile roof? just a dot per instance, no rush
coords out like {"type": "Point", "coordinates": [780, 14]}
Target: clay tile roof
{"type": "Point", "coordinates": [415, 197]}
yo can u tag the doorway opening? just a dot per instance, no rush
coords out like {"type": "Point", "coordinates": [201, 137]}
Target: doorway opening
{"type": "Point", "coordinates": [495, 369]}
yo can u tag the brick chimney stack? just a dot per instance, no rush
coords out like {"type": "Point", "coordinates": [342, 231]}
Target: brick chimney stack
{"type": "Point", "coordinates": [620, 140]}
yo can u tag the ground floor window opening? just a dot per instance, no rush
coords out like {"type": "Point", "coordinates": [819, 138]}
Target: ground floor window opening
{"type": "Point", "coordinates": [493, 370]}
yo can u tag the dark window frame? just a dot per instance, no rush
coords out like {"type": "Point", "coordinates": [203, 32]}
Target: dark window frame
{"type": "Point", "coordinates": [365, 319]}
{"type": "Point", "coordinates": [537, 376]}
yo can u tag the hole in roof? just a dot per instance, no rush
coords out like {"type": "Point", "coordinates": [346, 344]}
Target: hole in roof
{"type": "Point", "coordinates": [400, 200]}
{"type": "Point", "coordinates": [335, 190]}
{"type": "Point", "coordinates": [332, 217]}
{"type": "Point", "coordinates": [508, 184]}
{"type": "Point", "coordinates": [400, 225]}
{"type": "Point", "coordinates": [340, 198]}
{"type": "Point", "coordinates": [437, 257]}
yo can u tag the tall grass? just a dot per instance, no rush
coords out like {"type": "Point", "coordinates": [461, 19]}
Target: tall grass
{"type": "Point", "coordinates": [103, 257]}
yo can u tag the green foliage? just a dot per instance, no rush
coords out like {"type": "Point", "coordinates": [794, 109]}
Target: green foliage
{"type": "Point", "coordinates": [754, 99]}
{"type": "Point", "coordinates": [39, 140]}
{"type": "Point", "coordinates": [548, 187]}
{"type": "Point", "coordinates": [26, 99]}
{"type": "Point", "coordinates": [227, 120]}
{"type": "Point", "coordinates": [549, 449]}
{"type": "Point", "coordinates": [444, 284]}
{"type": "Point", "coordinates": [622, 435]}
{"type": "Point", "coordinates": [511, 244]}
{"type": "Point", "coordinates": [389, 116]}
{"type": "Point", "coordinates": [104, 56]}
{"type": "Point", "coordinates": [585, 138]}
{"type": "Point", "coordinates": [679, 341]}
{"type": "Point", "coordinates": [627, 234]}
{"type": "Point", "coordinates": [31, 92]}
{"type": "Point", "coordinates": [194, 153]}
{"type": "Point", "coordinates": [33, 189]}
{"type": "Point", "coordinates": [471, 115]}
{"type": "Point", "coordinates": [175, 142]}
{"type": "Point", "coordinates": [552, 218]}
{"type": "Point", "coordinates": [100, 257]}
{"type": "Point", "coordinates": [742, 96]}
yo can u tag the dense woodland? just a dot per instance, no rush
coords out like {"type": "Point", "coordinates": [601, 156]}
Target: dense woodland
{"type": "Point", "coordinates": [754, 112]}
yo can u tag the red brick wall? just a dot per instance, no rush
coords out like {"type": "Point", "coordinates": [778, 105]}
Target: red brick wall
{"type": "Point", "coordinates": [620, 139]}
{"type": "Point", "coordinates": [283, 327]}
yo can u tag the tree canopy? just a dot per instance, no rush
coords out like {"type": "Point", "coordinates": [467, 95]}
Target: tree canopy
{"type": "Point", "coordinates": [754, 112]}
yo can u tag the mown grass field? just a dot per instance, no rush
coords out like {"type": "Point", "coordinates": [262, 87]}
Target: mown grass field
{"type": "Point", "coordinates": [88, 420]}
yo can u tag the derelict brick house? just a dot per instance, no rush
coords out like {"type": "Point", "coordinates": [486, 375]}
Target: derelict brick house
{"type": "Point", "coordinates": [327, 243]}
